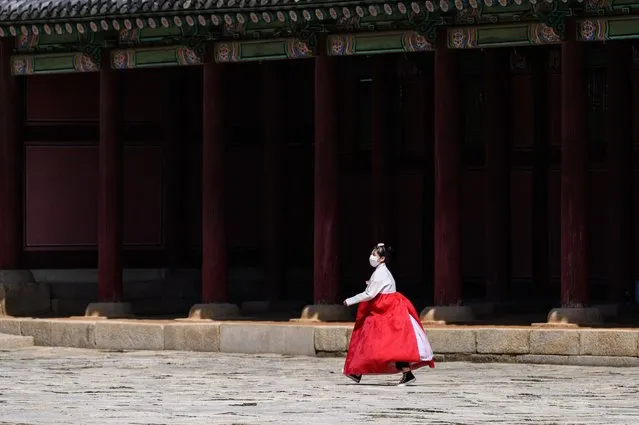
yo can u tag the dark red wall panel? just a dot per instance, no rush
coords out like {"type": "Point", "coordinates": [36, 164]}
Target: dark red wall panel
{"type": "Point", "coordinates": [244, 173]}
{"type": "Point", "coordinates": [61, 196]}
{"type": "Point", "coordinates": [409, 226]}
{"type": "Point", "coordinates": [194, 195]}
{"type": "Point", "coordinates": [355, 229]}
{"type": "Point", "coordinates": [61, 190]}
{"type": "Point", "coordinates": [414, 117]}
{"type": "Point", "coordinates": [636, 214]}
{"type": "Point", "coordinates": [144, 94]}
{"type": "Point", "coordinates": [143, 196]}
{"type": "Point", "coordinates": [554, 221]}
{"type": "Point", "coordinates": [597, 224]}
{"type": "Point", "coordinates": [522, 106]}
{"type": "Point", "coordinates": [473, 226]}
{"type": "Point", "coordinates": [521, 223]}
{"type": "Point", "coordinates": [554, 109]}
{"type": "Point", "coordinates": [64, 97]}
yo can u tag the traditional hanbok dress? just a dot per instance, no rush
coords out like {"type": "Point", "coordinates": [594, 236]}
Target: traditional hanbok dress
{"type": "Point", "coordinates": [387, 330]}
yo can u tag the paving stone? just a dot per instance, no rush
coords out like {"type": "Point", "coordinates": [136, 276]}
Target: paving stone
{"type": "Point", "coordinates": [503, 341]}
{"type": "Point", "coordinates": [254, 338]}
{"type": "Point", "coordinates": [448, 340]}
{"type": "Point", "coordinates": [609, 343]}
{"type": "Point", "coordinates": [11, 342]}
{"type": "Point", "coordinates": [10, 326]}
{"type": "Point", "coordinates": [187, 388]}
{"type": "Point", "coordinates": [114, 335]}
{"type": "Point", "coordinates": [559, 342]}
{"type": "Point", "coordinates": [192, 337]}
{"type": "Point", "coordinates": [40, 330]}
{"type": "Point", "coordinates": [331, 338]}
{"type": "Point", "coordinates": [605, 361]}
{"type": "Point", "coordinates": [78, 334]}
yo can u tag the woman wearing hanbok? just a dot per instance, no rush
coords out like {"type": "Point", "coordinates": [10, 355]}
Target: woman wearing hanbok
{"type": "Point", "coordinates": [388, 336]}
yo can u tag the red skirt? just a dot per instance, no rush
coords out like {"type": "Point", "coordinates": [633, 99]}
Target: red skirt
{"type": "Point", "coordinates": [387, 330]}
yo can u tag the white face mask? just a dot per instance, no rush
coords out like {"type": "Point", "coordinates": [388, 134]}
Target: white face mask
{"type": "Point", "coordinates": [373, 261]}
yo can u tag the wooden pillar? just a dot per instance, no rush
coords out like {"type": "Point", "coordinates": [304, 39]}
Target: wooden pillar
{"type": "Point", "coordinates": [10, 167]}
{"type": "Point", "coordinates": [382, 120]}
{"type": "Point", "coordinates": [110, 186]}
{"type": "Point", "coordinates": [619, 166]}
{"type": "Point", "coordinates": [214, 250]}
{"type": "Point", "coordinates": [497, 206]}
{"type": "Point", "coordinates": [272, 121]}
{"type": "Point", "coordinates": [574, 161]}
{"type": "Point", "coordinates": [326, 242]}
{"type": "Point", "coordinates": [448, 282]}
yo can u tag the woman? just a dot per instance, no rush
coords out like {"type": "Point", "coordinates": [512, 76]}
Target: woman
{"type": "Point", "coordinates": [388, 336]}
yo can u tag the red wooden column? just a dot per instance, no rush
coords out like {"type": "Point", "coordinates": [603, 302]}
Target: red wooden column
{"type": "Point", "coordinates": [214, 253]}
{"type": "Point", "coordinates": [574, 161]}
{"type": "Point", "coordinates": [110, 187]}
{"type": "Point", "coordinates": [448, 283]}
{"type": "Point", "coordinates": [10, 174]}
{"type": "Point", "coordinates": [447, 240]}
{"type": "Point", "coordinates": [326, 242]}
{"type": "Point", "coordinates": [619, 167]}
{"type": "Point", "coordinates": [381, 137]}
{"type": "Point", "coordinates": [497, 170]}
{"type": "Point", "coordinates": [272, 120]}
{"type": "Point", "coordinates": [574, 232]}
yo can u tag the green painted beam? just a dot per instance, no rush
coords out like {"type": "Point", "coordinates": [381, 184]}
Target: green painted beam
{"type": "Point", "coordinates": [611, 28]}
{"type": "Point", "coordinates": [510, 35]}
{"type": "Point", "coordinates": [153, 57]}
{"type": "Point", "coordinates": [247, 51]}
{"type": "Point", "coordinates": [377, 43]}
{"type": "Point", "coordinates": [54, 63]}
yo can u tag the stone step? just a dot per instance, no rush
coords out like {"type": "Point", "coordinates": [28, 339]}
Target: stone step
{"type": "Point", "coordinates": [9, 342]}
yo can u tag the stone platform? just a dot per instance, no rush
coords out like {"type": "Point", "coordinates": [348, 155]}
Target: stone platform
{"type": "Point", "coordinates": [11, 342]}
{"type": "Point", "coordinates": [552, 345]}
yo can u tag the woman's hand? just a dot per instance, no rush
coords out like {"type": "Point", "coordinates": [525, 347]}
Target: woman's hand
{"type": "Point", "coordinates": [345, 303]}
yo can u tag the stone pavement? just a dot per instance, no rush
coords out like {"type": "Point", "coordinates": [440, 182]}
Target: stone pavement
{"type": "Point", "coordinates": [84, 387]}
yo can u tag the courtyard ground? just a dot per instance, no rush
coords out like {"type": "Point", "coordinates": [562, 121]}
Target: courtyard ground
{"type": "Point", "coordinates": [71, 386]}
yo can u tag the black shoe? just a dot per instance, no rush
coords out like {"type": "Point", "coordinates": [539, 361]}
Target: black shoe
{"type": "Point", "coordinates": [407, 378]}
{"type": "Point", "coordinates": [355, 378]}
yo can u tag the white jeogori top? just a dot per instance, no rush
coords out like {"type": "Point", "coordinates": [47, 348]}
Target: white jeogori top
{"type": "Point", "coordinates": [381, 282]}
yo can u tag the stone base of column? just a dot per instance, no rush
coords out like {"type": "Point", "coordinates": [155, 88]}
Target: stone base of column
{"type": "Point", "coordinates": [21, 295]}
{"type": "Point", "coordinates": [109, 310]}
{"type": "Point", "coordinates": [447, 314]}
{"type": "Point", "coordinates": [256, 307]}
{"type": "Point", "coordinates": [327, 313]}
{"type": "Point", "coordinates": [609, 311]}
{"type": "Point", "coordinates": [486, 309]}
{"type": "Point", "coordinates": [260, 307]}
{"type": "Point", "coordinates": [214, 311]}
{"type": "Point", "coordinates": [575, 316]}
